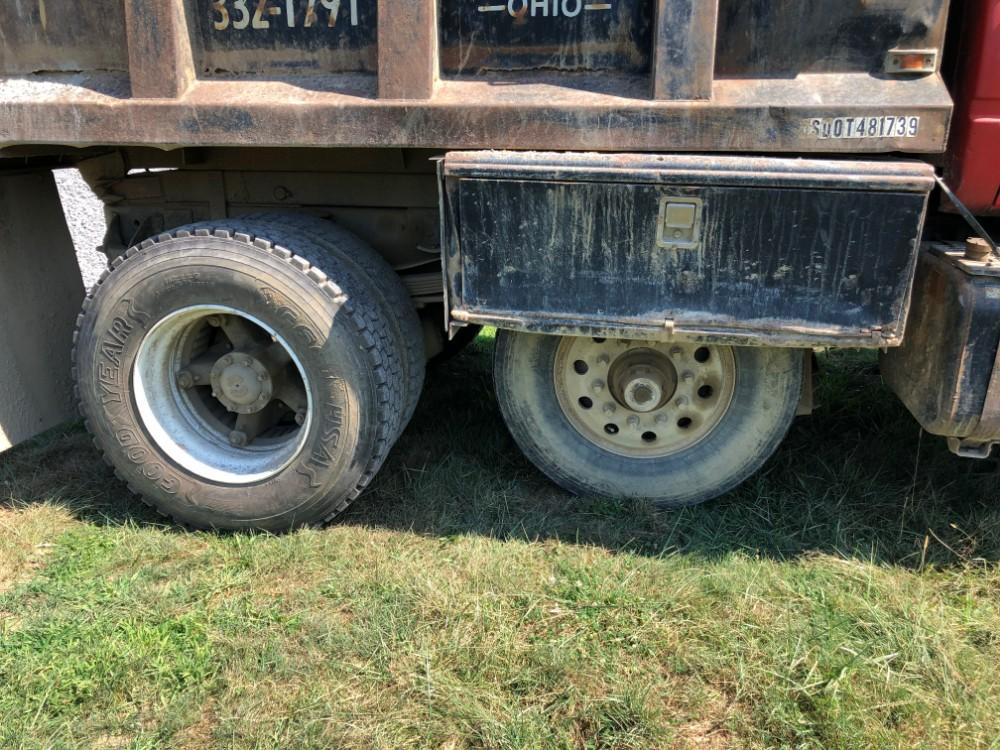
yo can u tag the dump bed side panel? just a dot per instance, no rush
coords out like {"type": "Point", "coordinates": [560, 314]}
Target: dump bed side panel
{"type": "Point", "coordinates": [617, 75]}
{"type": "Point", "coordinates": [285, 39]}
{"type": "Point", "coordinates": [788, 37]}
{"type": "Point", "coordinates": [62, 35]}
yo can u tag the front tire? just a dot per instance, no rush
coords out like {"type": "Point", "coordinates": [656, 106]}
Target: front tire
{"type": "Point", "coordinates": [233, 384]}
{"type": "Point", "coordinates": [676, 423]}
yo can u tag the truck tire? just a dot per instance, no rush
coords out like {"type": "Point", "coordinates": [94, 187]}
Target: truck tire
{"type": "Point", "coordinates": [237, 383]}
{"type": "Point", "coordinates": [384, 282]}
{"type": "Point", "coordinates": [675, 423]}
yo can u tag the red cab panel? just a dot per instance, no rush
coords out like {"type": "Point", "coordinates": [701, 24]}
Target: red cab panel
{"type": "Point", "coordinates": [974, 169]}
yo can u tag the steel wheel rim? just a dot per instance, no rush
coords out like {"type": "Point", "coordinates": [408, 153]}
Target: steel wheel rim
{"type": "Point", "coordinates": [643, 399]}
{"type": "Point", "coordinates": [196, 415]}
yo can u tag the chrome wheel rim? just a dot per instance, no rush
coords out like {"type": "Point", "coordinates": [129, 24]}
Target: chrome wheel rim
{"type": "Point", "coordinates": [222, 394]}
{"type": "Point", "coordinates": [643, 399]}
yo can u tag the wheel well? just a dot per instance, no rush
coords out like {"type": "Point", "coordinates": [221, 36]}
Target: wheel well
{"type": "Point", "coordinates": [386, 197]}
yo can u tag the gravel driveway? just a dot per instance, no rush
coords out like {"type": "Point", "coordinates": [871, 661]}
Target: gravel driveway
{"type": "Point", "coordinates": [85, 216]}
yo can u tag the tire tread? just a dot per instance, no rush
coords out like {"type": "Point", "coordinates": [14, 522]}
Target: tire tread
{"type": "Point", "coordinates": [368, 320]}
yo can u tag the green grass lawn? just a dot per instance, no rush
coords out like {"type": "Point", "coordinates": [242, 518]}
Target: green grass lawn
{"type": "Point", "coordinates": [847, 597]}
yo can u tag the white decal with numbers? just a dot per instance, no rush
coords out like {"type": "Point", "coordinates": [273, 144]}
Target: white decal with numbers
{"type": "Point", "coordinates": [256, 14]}
{"type": "Point", "coordinates": [544, 8]}
{"type": "Point", "coordinates": [872, 126]}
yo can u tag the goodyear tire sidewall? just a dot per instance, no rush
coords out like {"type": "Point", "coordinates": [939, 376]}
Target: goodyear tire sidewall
{"type": "Point", "coordinates": [191, 271]}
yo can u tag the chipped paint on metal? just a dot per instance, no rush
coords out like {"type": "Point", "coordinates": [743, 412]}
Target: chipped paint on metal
{"type": "Point", "coordinates": [794, 251]}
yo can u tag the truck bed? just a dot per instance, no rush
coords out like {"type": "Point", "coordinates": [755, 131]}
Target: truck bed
{"type": "Point", "coordinates": [625, 75]}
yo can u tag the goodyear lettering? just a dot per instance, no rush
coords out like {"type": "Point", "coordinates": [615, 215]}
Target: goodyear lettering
{"type": "Point", "coordinates": [107, 381]}
{"type": "Point", "coordinates": [289, 319]}
{"type": "Point", "coordinates": [138, 454]}
{"type": "Point", "coordinates": [325, 451]}
{"type": "Point", "coordinates": [112, 345]}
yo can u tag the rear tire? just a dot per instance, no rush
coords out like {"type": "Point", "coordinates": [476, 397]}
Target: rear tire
{"type": "Point", "coordinates": [384, 283]}
{"type": "Point", "coordinates": [576, 408]}
{"type": "Point", "coordinates": [164, 319]}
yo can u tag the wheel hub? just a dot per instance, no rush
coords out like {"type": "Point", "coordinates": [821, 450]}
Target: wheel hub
{"type": "Point", "coordinates": [643, 394]}
{"type": "Point", "coordinates": [222, 394]}
{"type": "Point", "coordinates": [242, 383]}
{"type": "Point", "coordinates": [642, 379]}
{"type": "Point", "coordinates": [643, 399]}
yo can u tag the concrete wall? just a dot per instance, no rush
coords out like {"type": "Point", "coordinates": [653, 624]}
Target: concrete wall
{"type": "Point", "coordinates": [40, 295]}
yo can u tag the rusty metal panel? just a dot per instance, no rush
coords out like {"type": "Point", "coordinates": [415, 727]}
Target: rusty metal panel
{"type": "Point", "coordinates": [160, 65]}
{"type": "Point", "coordinates": [407, 44]}
{"type": "Point", "coordinates": [505, 36]}
{"type": "Point", "coordinates": [796, 115]}
{"type": "Point", "coordinates": [284, 37]}
{"type": "Point", "coordinates": [789, 37]}
{"type": "Point", "coordinates": [752, 250]}
{"type": "Point", "coordinates": [621, 75]}
{"type": "Point", "coordinates": [62, 35]}
{"type": "Point", "coordinates": [684, 53]}
{"type": "Point", "coordinates": [943, 371]}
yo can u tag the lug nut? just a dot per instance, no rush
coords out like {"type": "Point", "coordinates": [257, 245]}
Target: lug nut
{"type": "Point", "coordinates": [681, 401]}
{"type": "Point", "coordinates": [238, 439]}
{"type": "Point", "coordinates": [185, 380]}
{"type": "Point", "coordinates": [662, 419]}
{"type": "Point", "coordinates": [300, 417]}
{"type": "Point", "coordinates": [676, 351]}
{"type": "Point", "coordinates": [687, 376]}
{"type": "Point", "coordinates": [597, 386]}
{"type": "Point", "coordinates": [603, 359]}
{"type": "Point", "coordinates": [633, 422]}
{"type": "Point", "coordinates": [215, 321]}
{"type": "Point", "coordinates": [610, 408]}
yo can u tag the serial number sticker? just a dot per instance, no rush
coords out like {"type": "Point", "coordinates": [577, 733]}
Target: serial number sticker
{"type": "Point", "coordinates": [257, 14]}
{"type": "Point", "coordinates": [885, 126]}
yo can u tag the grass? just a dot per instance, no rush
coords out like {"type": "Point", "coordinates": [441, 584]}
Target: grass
{"type": "Point", "coordinates": [848, 596]}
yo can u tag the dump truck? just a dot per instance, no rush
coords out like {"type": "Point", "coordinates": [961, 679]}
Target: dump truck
{"type": "Point", "coordinates": [664, 207]}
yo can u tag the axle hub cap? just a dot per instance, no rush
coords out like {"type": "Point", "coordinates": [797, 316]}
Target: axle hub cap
{"type": "Point", "coordinates": [643, 399]}
{"type": "Point", "coordinates": [242, 383]}
{"type": "Point", "coordinates": [642, 394]}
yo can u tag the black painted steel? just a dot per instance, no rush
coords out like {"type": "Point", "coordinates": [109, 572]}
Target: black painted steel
{"type": "Point", "coordinates": [943, 370]}
{"type": "Point", "coordinates": [782, 251]}
{"type": "Point", "coordinates": [285, 37]}
{"type": "Point", "coordinates": [563, 35]}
